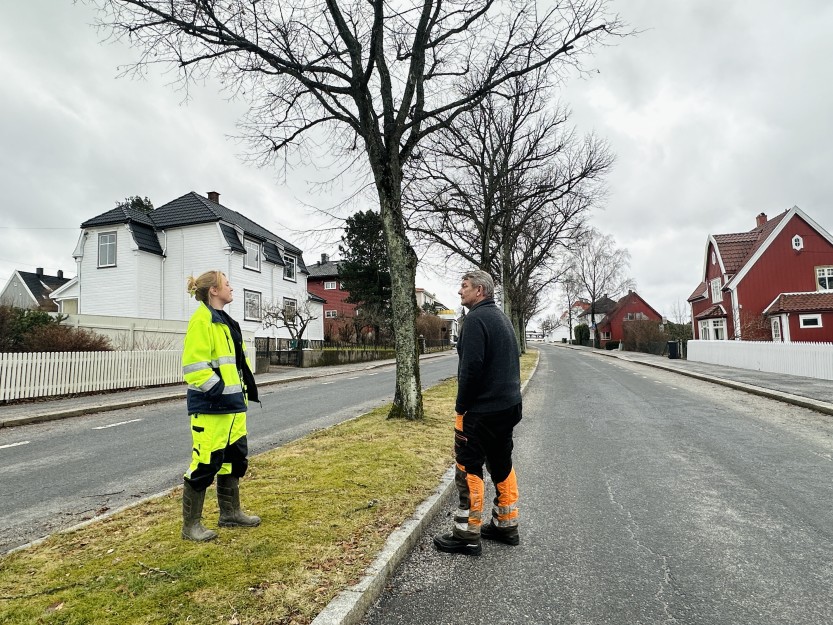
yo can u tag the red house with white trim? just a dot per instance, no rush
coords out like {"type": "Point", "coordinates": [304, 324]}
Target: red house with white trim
{"type": "Point", "coordinates": [323, 281]}
{"type": "Point", "coordinates": [631, 307]}
{"type": "Point", "coordinates": [774, 282]}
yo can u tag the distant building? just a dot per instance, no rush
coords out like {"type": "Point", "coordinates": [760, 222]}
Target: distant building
{"type": "Point", "coordinates": [32, 290]}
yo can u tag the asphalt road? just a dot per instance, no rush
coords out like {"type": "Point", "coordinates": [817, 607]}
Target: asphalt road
{"type": "Point", "coordinates": [60, 473]}
{"type": "Point", "coordinates": [647, 497]}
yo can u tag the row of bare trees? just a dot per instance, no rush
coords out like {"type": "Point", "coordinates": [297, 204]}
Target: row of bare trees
{"type": "Point", "coordinates": [374, 81]}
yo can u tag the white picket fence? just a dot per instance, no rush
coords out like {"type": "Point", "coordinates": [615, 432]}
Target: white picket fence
{"type": "Point", "coordinates": [46, 374]}
{"type": "Point", "coordinates": [811, 360]}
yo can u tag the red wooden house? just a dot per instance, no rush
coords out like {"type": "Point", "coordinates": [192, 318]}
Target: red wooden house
{"type": "Point", "coordinates": [772, 282]}
{"type": "Point", "coordinates": [631, 307]}
{"type": "Point", "coordinates": [324, 282]}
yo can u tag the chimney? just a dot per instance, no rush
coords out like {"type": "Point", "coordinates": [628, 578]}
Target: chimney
{"type": "Point", "coordinates": [39, 272]}
{"type": "Point", "coordinates": [214, 197]}
{"type": "Point", "coordinates": [760, 220]}
{"type": "Point", "coordinates": [325, 258]}
{"type": "Point", "coordinates": [60, 273]}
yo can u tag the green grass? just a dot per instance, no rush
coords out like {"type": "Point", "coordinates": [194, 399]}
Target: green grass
{"type": "Point", "coordinates": [328, 502]}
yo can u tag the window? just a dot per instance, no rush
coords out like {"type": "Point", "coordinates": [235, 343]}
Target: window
{"type": "Point", "coordinates": [713, 330]}
{"type": "Point", "coordinates": [252, 259]}
{"type": "Point", "coordinates": [289, 268]}
{"type": "Point", "coordinates": [809, 321]}
{"type": "Point", "coordinates": [251, 305]}
{"type": "Point", "coordinates": [107, 249]}
{"type": "Point", "coordinates": [330, 285]}
{"type": "Point", "coordinates": [290, 307]}
{"type": "Point", "coordinates": [605, 336]}
{"type": "Point", "coordinates": [776, 329]}
{"type": "Point", "coordinates": [330, 314]}
{"type": "Point", "coordinates": [798, 243]}
{"type": "Point", "coordinates": [718, 329]}
{"type": "Point", "coordinates": [704, 331]}
{"type": "Point", "coordinates": [717, 296]}
{"type": "Point", "coordinates": [824, 278]}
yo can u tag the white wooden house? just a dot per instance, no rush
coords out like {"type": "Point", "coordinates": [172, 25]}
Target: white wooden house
{"type": "Point", "coordinates": [135, 265]}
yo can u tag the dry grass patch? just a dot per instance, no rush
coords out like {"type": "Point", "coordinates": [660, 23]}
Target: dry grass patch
{"type": "Point", "coordinates": [328, 503]}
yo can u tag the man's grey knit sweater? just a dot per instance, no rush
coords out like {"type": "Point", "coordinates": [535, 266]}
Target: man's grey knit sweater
{"type": "Point", "coordinates": [488, 375]}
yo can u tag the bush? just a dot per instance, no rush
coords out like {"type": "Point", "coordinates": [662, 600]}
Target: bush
{"type": "Point", "coordinates": [612, 345]}
{"type": "Point", "coordinates": [58, 338]}
{"type": "Point", "coordinates": [582, 333]}
{"type": "Point", "coordinates": [644, 336]}
{"type": "Point", "coordinates": [17, 323]}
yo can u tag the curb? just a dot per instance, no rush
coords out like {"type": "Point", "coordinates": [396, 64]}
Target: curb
{"type": "Point", "coordinates": [350, 605]}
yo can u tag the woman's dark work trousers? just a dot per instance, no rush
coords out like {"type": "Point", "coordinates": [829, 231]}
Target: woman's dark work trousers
{"type": "Point", "coordinates": [485, 438]}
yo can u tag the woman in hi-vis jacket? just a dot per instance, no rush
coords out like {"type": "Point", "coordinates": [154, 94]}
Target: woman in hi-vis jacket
{"type": "Point", "coordinates": [220, 385]}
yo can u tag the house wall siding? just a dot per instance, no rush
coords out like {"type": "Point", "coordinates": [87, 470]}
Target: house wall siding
{"type": "Point", "coordinates": [824, 334]}
{"type": "Point", "coordinates": [148, 285]}
{"type": "Point", "coordinates": [16, 294]}
{"type": "Point", "coordinates": [109, 290]}
{"type": "Point", "coordinates": [781, 269]}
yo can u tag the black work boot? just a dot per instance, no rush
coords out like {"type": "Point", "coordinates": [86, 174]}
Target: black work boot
{"type": "Point", "coordinates": [450, 543]}
{"type": "Point", "coordinates": [228, 499]}
{"type": "Point", "coordinates": [506, 535]}
{"type": "Point", "coordinates": [192, 528]}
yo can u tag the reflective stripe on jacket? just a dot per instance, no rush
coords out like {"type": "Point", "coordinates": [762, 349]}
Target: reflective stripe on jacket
{"type": "Point", "coordinates": [209, 366]}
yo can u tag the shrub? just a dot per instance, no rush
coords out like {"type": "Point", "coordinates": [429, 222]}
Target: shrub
{"type": "Point", "coordinates": [644, 336]}
{"type": "Point", "coordinates": [612, 345]}
{"type": "Point", "coordinates": [582, 333]}
{"type": "Point", "coordinates": [58, 338]}
{"type": "Point", "coordinates": [17, 323]}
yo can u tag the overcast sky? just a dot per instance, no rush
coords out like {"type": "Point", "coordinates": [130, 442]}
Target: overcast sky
{"type": "Point", "coordinates": [719, 110]}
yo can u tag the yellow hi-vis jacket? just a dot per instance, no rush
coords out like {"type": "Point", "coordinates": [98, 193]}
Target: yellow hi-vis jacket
{"type": "Point", "coordinates": [209, 366]}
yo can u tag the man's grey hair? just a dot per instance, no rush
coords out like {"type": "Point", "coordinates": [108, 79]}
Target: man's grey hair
{"type": "Point", "coordinates": [478, 277]}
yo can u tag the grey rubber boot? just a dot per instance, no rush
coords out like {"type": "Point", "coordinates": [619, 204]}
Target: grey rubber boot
{"type": "Point", "coordinates": [192, 529]}
{"type": "Point", "coordinates": [228, 498]}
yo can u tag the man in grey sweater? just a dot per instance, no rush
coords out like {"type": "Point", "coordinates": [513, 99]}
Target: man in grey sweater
{"type": "Point", "coordinates": [488, 408]}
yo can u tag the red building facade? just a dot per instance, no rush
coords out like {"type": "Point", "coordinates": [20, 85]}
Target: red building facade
{"type": "Point", "coordinates": [746, 273]}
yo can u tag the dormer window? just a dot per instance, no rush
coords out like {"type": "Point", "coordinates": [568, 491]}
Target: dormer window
{"type": "Point", "coordinates": [714, 258]}
{"type": "Point", "coordinates": [252, 259]}
{"type": "Point", "coordinates": [798, 243]}
{"type": "Point", "coordinates": [289, 268]}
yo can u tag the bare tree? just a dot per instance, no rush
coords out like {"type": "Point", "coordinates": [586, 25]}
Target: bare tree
{"type": "Point", "coordinates": [505, 188]}
{"type": "Point", "coordinates": [599, 268]}
{"type": "Point", "coordinates": [294, 318]}
{"type": "Point", "coordinates": [373, 78]}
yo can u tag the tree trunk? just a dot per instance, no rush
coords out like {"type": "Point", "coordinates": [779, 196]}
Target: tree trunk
{"type": "Point", "coordinates": [407, 401]}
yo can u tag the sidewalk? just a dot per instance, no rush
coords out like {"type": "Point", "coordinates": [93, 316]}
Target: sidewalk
{"type": "Point", "coordinates": [810, 393]}
{"type": "Point", "coordinates": [38, 411]}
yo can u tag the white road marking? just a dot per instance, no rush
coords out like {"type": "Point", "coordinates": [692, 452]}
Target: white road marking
{"type": "Point", "coordinates": [356, 378]}
{"type": "Point", "coordinates": [377, 373]}
{"type": "Point", "coordinates": [14, 444]}
{"type": "Point", "coordinates": [114, 425]}
{"type": "Point", "coordinates": [325, 383]}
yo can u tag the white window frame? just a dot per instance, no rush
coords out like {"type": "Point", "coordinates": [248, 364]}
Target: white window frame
{"type": "Point", "coordinates": [825, 273]}
{"type": "Point", "coordinates": [253, 249]}
{"type": "Point", "coordinates": [717, 295]}
{"type": "Point", "coordinates": [605, 336]}
{"type": "Point", "coordinates": [290, 268]}
{"type": "Point", "coordinates": [798, 243]}
{"type": "Point", "coordinates": [705, 330]}
{"type": "Point", "coordinates": [330, 314]}
{"type": "Point", "coordinates": [330, 285]}
{"type": "Point", "coordinates": [809, 321]}
{"type": "Point", "coordinates": [252, 305]}
{"type": "Point", "coordinates": [290, 302]}
{"type": "Point", "coordinates": [719, 329]}
{"type": "Point", "coordinates": [109, 245]}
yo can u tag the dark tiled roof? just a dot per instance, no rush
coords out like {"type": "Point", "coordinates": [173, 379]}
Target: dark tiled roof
{"type": "Point", "coordinates": [737, 248]}
{"type": "Point", "coordinates": [146, 239]}
{"type": "Point", "coordinates": [715, 311]}
{"type": "Point", "coordinates": [41, 286]}
{"type": "Point", "coordinates": [601, 305]}
{"type": "Point", "coordinates": [232, 239]}
{"type": "Point", "coordinates": [316, 298]}
{"type": "Point", "coordinates": [120, 215]}
{"type": "Point", "coordinates": [324, 270]}
{"type": "Point", "coordinates": [193, 208]}
{"type": "Point", "coordinates": [699, 293]}
{"type": "Point", "coordinates": [801, 302]}
{"type": "Point", "coordinates": [272, 253]}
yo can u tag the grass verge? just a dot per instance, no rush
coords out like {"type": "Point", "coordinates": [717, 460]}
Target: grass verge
{"type": "Point", "coordinates": [328, 502]}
